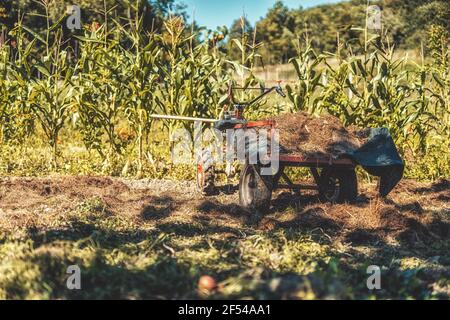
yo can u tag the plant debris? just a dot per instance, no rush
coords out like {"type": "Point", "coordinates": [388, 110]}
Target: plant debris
{"type": "Point", "coordinates": [303, 134]}
{"type": "Point", "coordinates": [158, 238]}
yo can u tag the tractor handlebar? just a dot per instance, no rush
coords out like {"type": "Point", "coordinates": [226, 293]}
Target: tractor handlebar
{"type": "Point", "coordinates": [264, 91]}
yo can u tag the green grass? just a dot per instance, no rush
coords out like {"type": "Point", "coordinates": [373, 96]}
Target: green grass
{"type": "Point", "coordinates": [126, 258]}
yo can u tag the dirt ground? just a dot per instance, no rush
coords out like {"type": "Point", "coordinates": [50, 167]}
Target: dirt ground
{"type": "Point", "coordinates": [414, 219]}
{"type": "Point", "coordinates": [414, 212]}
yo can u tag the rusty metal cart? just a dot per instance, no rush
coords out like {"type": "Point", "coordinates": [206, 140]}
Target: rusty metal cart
{"type": "Point", "coordinates": [334, 178]}
{"type": "Point", "coordinates": [334, 175]}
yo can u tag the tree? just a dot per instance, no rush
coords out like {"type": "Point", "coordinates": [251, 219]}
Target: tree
{"type": "Point", "coordinates": [276, 31]}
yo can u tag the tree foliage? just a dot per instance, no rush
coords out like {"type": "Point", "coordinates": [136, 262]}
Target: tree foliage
{"type": "Point", "coordinates": [404, 23]}
{"type": "Point", "coordinates": [153, 11]}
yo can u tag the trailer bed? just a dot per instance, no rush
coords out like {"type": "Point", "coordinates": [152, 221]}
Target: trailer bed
{"type": "Point", "coordinates": [295, 160]}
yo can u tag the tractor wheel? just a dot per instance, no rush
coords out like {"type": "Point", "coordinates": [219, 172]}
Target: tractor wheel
{"type": "Point", "coordinates": [205, 174]}
{"type": "Point", "coordinates": [255, 190]}
{"type": "Point", "coordinates": [338, 185]}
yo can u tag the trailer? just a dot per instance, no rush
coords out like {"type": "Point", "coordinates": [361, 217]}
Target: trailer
{"type": "Point", "coordinates": [334, 175]}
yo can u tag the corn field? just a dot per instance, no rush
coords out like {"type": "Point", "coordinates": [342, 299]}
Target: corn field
{"type": "Point", "coordinates": [86, 108]}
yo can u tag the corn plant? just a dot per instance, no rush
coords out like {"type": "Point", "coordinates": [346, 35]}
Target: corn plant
{"type": "Point", "coordinates": [102, 91]}
{"type": "Point", "coordinates": [192, 78]}
{"type": "Point", "coordinates": [51, 92]}
{"type": "Point", "coordinates": [51, 96]}
{"type": "Point", "coordinates": [303, 96]}
{"type": "Point", "coordinates": [16, 117]}
{"type": "Point", "coordinates": [142, 63]}
{"type": "Point", "coordinates": [248, 48]}
{"type": "Point", "coordinates": [378, 90]}
{"type": "Point", "coordinates": [124, 73]}
{"type": "Point", "coordinates": [242, 71]}
{"type": "Point", "coordinates": [17, 120]}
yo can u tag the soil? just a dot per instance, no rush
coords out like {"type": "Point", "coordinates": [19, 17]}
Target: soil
{"type": "Point", "coordinates": [303, 134]}
{"type": "Point", "coordinates": [415, 213]}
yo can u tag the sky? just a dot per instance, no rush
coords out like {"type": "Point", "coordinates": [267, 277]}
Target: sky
{"type": "Point", "coordinates": [214, 13]}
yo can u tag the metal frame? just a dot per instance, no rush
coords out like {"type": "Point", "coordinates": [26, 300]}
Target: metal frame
{"type": "Point", "coordinates": [313, 163]}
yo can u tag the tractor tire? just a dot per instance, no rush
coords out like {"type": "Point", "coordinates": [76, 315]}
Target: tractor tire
{"type": "Point", "coordinates": [255, 190]}
{"type": "Point", "coordinates": [338, 185]}
{"type": "Point", "coordinates": [205, 174]}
